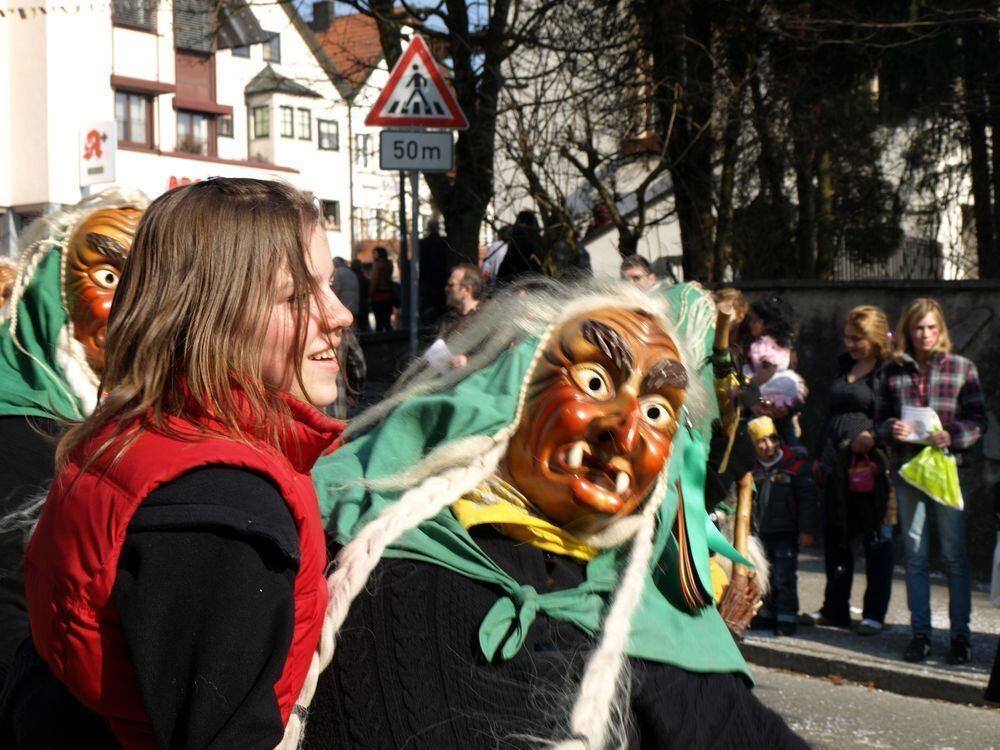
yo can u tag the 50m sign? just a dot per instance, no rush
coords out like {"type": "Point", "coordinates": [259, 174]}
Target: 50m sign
{"type": "Point", "coordinates": [416, 151]}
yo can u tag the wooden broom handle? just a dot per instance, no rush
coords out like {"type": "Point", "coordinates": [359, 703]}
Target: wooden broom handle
{"type": "Point", "coordinates": [744, 507]}
{"type": "Point", "coordinates": [723, 321]}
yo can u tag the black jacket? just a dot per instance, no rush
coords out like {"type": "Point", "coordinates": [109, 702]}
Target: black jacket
{"type": "Point", "coordinates": [786, 498]}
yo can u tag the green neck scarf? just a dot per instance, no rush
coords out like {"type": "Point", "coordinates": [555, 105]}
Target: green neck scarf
{"type": "Point", "coordinates": [663, 629]}
{"type": "Point", "coordinates": [31, 379]}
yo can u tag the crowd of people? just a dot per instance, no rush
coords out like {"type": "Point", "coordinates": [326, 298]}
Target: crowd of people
{"type": "Point", "coordinates": [849, 486]}
{"type": "Point", "coordinates": [511, 548]}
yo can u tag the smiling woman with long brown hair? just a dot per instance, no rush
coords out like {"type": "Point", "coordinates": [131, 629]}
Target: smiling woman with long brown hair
{"type": "Point", "coordinates": [175, 579]}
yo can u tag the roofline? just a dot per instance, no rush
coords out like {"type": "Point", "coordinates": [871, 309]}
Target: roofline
{"type": "Point", "coordinates": [343, 88]}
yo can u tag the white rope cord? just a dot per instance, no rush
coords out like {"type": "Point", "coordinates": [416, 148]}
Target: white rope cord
{"type": "Point", "coordinates": [600, 685]}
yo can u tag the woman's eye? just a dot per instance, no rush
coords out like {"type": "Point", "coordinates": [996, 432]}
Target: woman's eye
{"type": "Point", "coordinates": [657, 412]}
{"type": "Point", "coordinates": [592, 380]}
{"type": "Point", "coordinates": [105, 277]}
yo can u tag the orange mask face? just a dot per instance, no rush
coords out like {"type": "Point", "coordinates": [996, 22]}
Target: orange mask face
{"type": "Point", "coordinates": [601, 412]}
{"type": "Point", "coordinates": [94, 260]}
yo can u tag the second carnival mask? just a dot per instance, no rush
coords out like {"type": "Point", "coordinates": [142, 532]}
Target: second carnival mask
{"type": "Point", "coordinates": [95, 256]}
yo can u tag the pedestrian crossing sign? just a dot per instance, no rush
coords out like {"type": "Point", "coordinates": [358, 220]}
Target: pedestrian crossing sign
{"type": "Point", "coordinates": [416, 94]}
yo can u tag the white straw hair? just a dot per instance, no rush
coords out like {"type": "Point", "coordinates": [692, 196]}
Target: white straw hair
{"type": "Point", "coordinates": [509, 318]}
{"type": "Point", "coordinates": [604, 687]}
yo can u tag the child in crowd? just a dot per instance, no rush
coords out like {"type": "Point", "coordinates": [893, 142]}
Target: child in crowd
{"type": "Point", "coordinates": [785, 516]}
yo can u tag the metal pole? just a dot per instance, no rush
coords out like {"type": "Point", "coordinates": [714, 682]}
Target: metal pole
{"type": "Point", "coordinates": [404, 262]}
{"type": "Point", "coordinates": [414, 260]}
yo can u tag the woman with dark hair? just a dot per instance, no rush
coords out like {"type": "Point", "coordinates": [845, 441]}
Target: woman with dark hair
{"type": "Point", "coordinates": [849, 444]}
{"type": "Point", "coordinates": [175, 579]}
{"type": "Point", "coordinates": [925, 373]}
{"type": "Point", "coordinates": [380, 291]}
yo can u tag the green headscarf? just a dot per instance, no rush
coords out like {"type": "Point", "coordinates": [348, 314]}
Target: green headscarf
{"type": "Point", "coordinates": [663, 629]}
{"type": "Point", "coordinates": [31, 379]}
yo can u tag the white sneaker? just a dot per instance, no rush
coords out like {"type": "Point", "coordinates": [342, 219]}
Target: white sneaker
{"type": "Point", "coordinates": [869, 627]}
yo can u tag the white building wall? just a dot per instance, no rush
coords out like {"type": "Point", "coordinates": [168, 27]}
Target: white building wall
{"type": "Point", "coordinates": [28, 107]}
{"type": "Point", "coordinates": [55, 77]}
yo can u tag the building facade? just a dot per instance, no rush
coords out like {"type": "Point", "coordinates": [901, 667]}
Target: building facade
{"type": "Point", "coordinates": [191, 92]}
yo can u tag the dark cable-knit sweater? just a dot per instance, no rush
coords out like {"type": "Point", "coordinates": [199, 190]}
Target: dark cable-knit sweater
{"type": "Point", "coordinates": [407, 672]}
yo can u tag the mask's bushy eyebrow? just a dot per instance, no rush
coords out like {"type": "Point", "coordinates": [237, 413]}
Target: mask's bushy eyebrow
{"type": "Point", "coordinates": [609, 341]}
{"type": "Point", "coordinates": [666, 372]}
{"type": "Point", "coordinates": [109, 247]}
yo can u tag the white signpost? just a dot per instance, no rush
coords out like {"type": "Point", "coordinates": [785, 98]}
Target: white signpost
{"type": "Point", "coordinates": [416, 96]}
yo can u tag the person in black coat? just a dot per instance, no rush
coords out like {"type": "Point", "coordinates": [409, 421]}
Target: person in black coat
{"type": "Point", "coordinates": [849, 441]}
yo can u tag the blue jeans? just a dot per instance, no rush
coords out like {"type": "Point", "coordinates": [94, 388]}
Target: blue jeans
{"type": "Point", "coordinates": [915, 510]}
{"type": "Point", "coordinates": [782, 551]}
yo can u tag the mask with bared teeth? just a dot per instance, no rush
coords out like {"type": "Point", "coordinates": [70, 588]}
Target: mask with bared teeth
{"type": "Point", "coordinates": [600, 415]}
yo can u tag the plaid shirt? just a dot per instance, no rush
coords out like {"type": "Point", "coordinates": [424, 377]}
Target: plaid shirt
{"type": "Point", "coordinates": [949, 385]}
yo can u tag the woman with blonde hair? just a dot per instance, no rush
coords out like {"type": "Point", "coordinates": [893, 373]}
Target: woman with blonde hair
{"type": "Point", "coordinates": [849, 442]}
{"type": "Point", "coordinates": [175, 578]}
{"type": "Point", "coordinates": [924, 372]}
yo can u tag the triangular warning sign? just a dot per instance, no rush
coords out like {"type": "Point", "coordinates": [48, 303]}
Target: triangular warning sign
{"type": "Point", "coordinates": [416, 94]}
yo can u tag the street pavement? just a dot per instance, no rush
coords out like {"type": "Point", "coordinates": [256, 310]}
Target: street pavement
{"type": "Point", "coordinates": [833, 715]}
{"type": "Point", "coordinates": [877, 660]}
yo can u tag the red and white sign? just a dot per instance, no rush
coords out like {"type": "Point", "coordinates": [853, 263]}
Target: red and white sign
{"type": "Point", "coordinates": [416, 94]}
{"type": "Point", "coordinates": [96, 152]}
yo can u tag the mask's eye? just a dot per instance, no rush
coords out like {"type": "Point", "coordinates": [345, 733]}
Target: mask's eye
{"type": "Point", "coordinates": [106, 277]}
{"type": "Point", "coordinates": [593, 380]}
{"type": "Point", "coordinates": [657, 412]}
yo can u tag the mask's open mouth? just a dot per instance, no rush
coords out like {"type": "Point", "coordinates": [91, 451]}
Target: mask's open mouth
{"type": "Point", "coordinates": [602, 484]}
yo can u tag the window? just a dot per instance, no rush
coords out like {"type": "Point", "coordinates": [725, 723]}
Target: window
{"type": "Point", "coordinates": [139, 14]}
{"type": "Point", "coordinates": [133, 113]}
{"type": "Point", "coordinates": [331, 214]}
{"type": "Point", "coordinates": [272, 49]}
{"type": "Point", "coordinates": [362, 149]}
{"type": "Point", "coordinates": [329, 135]}
{"type": "Point", "coordinates": [193, 133]}
{"type": "Point", "coordinates": [261, 122]}
{"type": "Point", "coordinates": [225, 125]}
{"type": "Point", "coordinates": [287, 122]}
{"type": "Point", "coordinates": [305, 125]}
{"type": "Point", "coordinates": [241, 51]}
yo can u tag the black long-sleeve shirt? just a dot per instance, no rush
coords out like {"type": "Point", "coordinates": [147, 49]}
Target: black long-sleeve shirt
{"type": "Point", "coordinates": [204, 593]}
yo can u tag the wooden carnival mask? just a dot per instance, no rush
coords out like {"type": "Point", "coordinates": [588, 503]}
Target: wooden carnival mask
{"type": "Point", "coordinates": [95, 257]}
{"type": "Point", "coordinates": [601, 413]}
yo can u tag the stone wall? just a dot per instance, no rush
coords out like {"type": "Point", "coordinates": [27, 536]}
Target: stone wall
{"type": "Point", "coordinates": [971, 310]}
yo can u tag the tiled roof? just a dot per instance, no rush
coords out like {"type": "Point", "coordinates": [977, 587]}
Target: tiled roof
{"type": "Point", "coordinates": [353, 46]}
{"type": "Point", "coordinates": [268, 81]}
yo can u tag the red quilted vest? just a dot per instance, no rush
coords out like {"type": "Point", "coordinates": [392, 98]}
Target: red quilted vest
{"type": "Point", "coordinates": [72, 559]}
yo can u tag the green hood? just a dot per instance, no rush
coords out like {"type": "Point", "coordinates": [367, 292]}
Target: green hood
{"type": "Point", "coordinates": [31, 379]}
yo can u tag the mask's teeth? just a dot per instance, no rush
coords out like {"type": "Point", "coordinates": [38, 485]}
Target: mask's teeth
{"type": "Point", "coordinates": [621, 482]}
{"type": "Point", "coordinates": [574, 458]}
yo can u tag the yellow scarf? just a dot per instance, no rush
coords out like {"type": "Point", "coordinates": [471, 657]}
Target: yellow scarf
{"type": "Point", "coordinates": [498, 503]}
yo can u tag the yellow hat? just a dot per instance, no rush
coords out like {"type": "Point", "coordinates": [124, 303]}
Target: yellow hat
{"type": "Point", "coordinates": [761, 427]}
